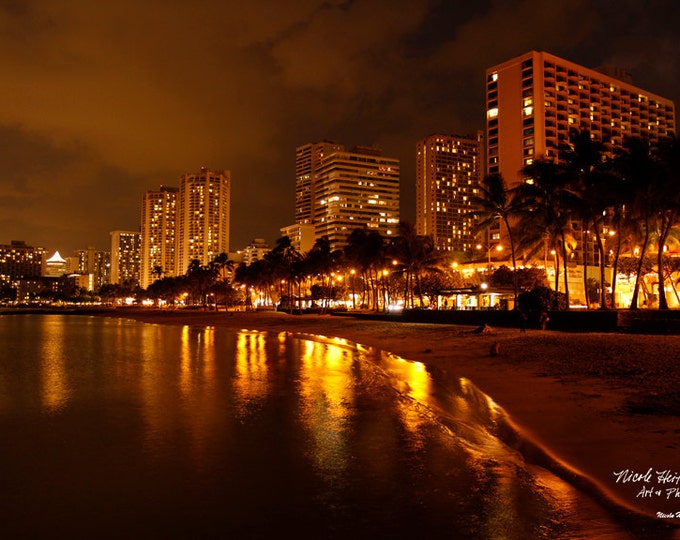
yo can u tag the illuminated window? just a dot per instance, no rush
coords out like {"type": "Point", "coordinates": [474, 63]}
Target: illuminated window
{"type": "Point", "coordinates": [492, 113]}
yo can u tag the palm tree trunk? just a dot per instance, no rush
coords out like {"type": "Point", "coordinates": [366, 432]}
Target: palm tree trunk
{"type": "Point", "coordinates": [665, 229]}
{"type": "Point", "coordinates": [564, 262]}
{"type": "Point", "coordinates": [600, 251]}
{"type": "Point", "coordinates": [615, 268]}
{"type": "Point", "coordinates": [514, 263]}
{"type": "Point", "coordinates": [636, 288]}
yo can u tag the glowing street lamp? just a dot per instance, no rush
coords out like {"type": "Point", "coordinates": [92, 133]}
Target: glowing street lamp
{"type": "Point", "coordinates": [489, 247]}
{"type": "Point", "coordinates": [354, 298]}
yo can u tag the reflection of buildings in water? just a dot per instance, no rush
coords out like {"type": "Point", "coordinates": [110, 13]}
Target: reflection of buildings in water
{"type": "Point", "coordinates": [251, 383]}
{"type": "Point", "coordinates": [412, 381]}
{"type": "Point", "coordinates": [198, 386]}
{"type": "Point", "coordinates": [327, 402]}
{"type": "Point", "coordinates": [55, 385]}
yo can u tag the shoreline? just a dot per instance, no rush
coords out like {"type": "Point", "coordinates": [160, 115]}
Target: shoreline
{"type": "Point", "coordinates": [578, 395]}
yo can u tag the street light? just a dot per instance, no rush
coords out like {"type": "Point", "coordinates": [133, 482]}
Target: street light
{"type": "Point", "coordinates": [354, 298]}
{"type": "Point", "coordinates": [489, 247]}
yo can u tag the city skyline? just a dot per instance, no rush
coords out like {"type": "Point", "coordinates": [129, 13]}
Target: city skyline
{"type": "Point", "coordinates": [107, 104]}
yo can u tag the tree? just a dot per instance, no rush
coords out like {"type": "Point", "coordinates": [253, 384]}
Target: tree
{"type": "Point", "coordinates": [638, 169]}
{"type": "Point", "coordinates": [199, 279]}
{"type": "Point", "coordinates": [366, 250]}
{"type": "Point", "coordinates": [668, 204]}
{"type": "Point", "coordinates": [281, 260]}
{"type": "Point", "coordinates": [413, 254]}
{"type": "Point", "coordinates": [323, 263]}
{"type": "Point", "coordinates": [592, 186]}
{"type": "Point", "coordinates": [547, 203]}
{"type": "Point", "coordinates": [495, 202]}
{"type": "Point", "coordinates": [223, 267]}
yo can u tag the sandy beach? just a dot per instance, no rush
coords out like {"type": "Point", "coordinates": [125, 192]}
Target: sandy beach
{"type": "Point", "coordinates": [607, 404]}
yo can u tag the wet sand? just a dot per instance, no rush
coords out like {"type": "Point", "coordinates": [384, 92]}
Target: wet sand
{"type": "Point", "coordinates": [603, 403]}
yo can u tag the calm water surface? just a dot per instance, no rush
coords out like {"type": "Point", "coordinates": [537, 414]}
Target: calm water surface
{"type": "Point", "coordinates": [118, 429]}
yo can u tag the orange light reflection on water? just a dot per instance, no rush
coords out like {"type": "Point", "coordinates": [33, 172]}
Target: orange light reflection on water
{"type": "Point", "coordinates": [55, 386]}
{"type": "Point", "coordinates": [327, 398]}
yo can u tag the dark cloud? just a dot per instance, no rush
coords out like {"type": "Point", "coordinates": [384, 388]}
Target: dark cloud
{"type": "Point", "coordinates": [105, 101]}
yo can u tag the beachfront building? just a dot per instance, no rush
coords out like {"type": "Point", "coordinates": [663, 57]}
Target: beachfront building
{"type": "Point", "coordinates": [91, 262]}
{"type": "Point", "coordinates": [159, 234]}
{"type": "Point", "coordinates": [534, 100]}
{"type": "Point", "coordinates": [301, 236]}
{"type": "Point", "coordinates": [125, 257]}
{"type": "Point", "coordinates": [203, 215]}
{"type": "Point", "coordinates": [56, 266]}
{"type": "Point", "coordinates": [307, 159]}
{"type": "Point", "coordinates": [346, 190]}
{"type": "Point", "coordinates": [19, 260]}
{"type": "Point", "coordinates": [449, 169]}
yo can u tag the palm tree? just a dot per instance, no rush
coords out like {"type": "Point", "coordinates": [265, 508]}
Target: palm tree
{"type": "Point", "coordinates": [281, 260]}
{"type": "Point", "coordinates": [545, 199]}
{"type": "Point", "coordinates": [494, 203]}
{"type": "Point", "coordinates": [366, 250]}
{"type": "Point", "coordinates": [199, 278]}
{"type": "Point", "coordinates": [639, 171]}
{"type": "Point", "coordinates": [668, 204]}
{"type": "Point", "coordinates": [224, 267]}
{"type": "Point", "coordinates": [157, 272]}
{"type": "Point", "coordinates": [592, 185]}
{"type": "Point", "coordinates": [323, 262]}
{"type": "Point", "coordinates": [413, 254]}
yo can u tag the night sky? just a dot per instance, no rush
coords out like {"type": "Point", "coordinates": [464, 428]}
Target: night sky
{"type": "Point", "coordinates": [104, 101]}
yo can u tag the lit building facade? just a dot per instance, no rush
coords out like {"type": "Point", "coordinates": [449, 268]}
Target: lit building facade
{"type": "Point", "coordinates": [307, 159]}
{"type": "Point", "coordinates": [56, 266]}
{"type": "Point", "coordinates": [159, 234]}
{"type": "Point", "coordinates": [125, 257]}
{"type": "Point", "coordinates": [534, 100]}
{"type": "Point", "coordinates": [94, 263]}
{"type": "Point", "coordinates": [255, 251]}
{"type": "Point", "coordinates": [301, 236]}
{"type": "Point", "coordinates": [19, 261]}
{"type": "Point", "coordinates": [449, 169]}
{"type": "Point", "coordinates": [350, 190]}
{"type": "Point", "coordinates": [203, 216]}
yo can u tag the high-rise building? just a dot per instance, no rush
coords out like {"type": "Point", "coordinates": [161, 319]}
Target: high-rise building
{"type": "Point", "coordinates": [56, 266]}
{"type": "Point", "coordinates": [534, 100]}
{"type": "Point", "coordinates": [301, 236]}
{"type": "Point", "coordinates": [19, 261]}
{"type": "Point", "coordinates": [94, 263]}
{"type": "Point", "coordinates": [159, 232]}
{"type": "Point", "coordinates": [449, 169]}
{"type": "Point", "coordinates": [307, 158]}
{"type": "Point", "coordinates": [125, 257]}
{"type": "Point", "coordinates": [255, 251]}
{"type": "Point", "coordinates": [203, 217]}
{"type": "Point", "coordinates": [349, 190]}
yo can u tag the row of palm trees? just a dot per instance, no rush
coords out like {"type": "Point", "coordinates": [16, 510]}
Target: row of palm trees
{"type": "Point", "coordinates": [367, 261]}
{"type": "Point", "coordinates": [626, 203]}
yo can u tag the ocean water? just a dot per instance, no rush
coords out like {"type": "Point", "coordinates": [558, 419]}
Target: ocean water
{"type": "Point", "coordinates": [117, 429]}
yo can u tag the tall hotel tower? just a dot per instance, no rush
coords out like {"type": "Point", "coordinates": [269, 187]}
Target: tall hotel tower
{"type": "Point", "coordinates": [159, 226]}
{"type": "Point", "coordinates": [448, 172]}
{"type": "Point", "coordinates": [125, 260]}
{"type": "Point", "coordinates": [339, 191]}
{"type": "Point", "coordinates": [307, 159]}
{"type": "Point", "coordinates": [203, 217]}
{"type": "Point", "coordinates": [533, 100]}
